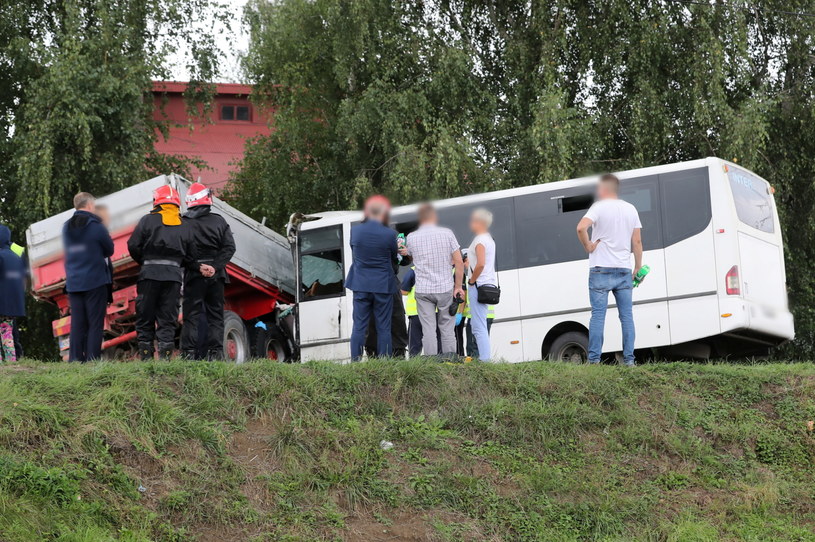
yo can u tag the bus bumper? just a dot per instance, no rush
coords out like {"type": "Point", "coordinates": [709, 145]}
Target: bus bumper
{"type": "Point", "coordinates": [777, 325]}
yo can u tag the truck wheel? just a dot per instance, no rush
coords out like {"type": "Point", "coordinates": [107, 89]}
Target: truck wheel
{"type": "Point", "coordinates": [236, 341]}
{"type": "Point", "coordinates": [271, 344]}
{"type": "Point", "coordinates": [572, 347]}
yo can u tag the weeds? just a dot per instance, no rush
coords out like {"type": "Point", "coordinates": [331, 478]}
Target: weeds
{"type": "Point", "coordinates": [531, 452]}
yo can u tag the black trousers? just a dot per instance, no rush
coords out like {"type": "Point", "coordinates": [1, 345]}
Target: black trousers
{"type": "Point", "coordinates": [157, 310]}
{"type": "Point", "coordinates": [399, 332]}
{"type": "Point", "coordinates": [416, 336]}
{"type": "Point", "coordinates": [459, 331]}
{"type": "Point", "coordinates": [87, 323]}
{"type": "Point", "coordinates": [203, 296]}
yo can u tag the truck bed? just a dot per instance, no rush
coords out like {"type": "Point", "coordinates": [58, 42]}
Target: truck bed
{"type": "Point", "coordinates": [261, 253]}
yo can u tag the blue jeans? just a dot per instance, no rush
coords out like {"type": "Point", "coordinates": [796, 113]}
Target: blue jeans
{"type": "Point", "coordinates": [603, 280]}
{"type": "Point", "coordinates": [478, 322]}
{"type": "Point", "coordinates": [380, 306]}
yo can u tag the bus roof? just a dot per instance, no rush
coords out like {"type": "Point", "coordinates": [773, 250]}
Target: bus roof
{"type": "Point", "coordinates": [330, 218]}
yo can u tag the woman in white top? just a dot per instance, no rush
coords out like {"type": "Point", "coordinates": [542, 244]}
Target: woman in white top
{"type": "Point", "coordinates": [481, 255]}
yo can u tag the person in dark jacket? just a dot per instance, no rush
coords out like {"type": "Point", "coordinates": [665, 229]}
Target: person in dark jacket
{"type": "Point", "coordinates": [204, 281]}
{"type": "Point", "coordinates": [375, 252]}
{"type": "Point", "coordinates": [399, 330]}
{"type": "Point", "coordinates": [103, 213]}
{"type": "Point", "coordinates": [87, 245]}
{"type": "Point", "coordinates": [12, 294]}
{"type": "Point", "coordinates": [162, 245]}
{"type": "Point", "coordinates": [19, 250]}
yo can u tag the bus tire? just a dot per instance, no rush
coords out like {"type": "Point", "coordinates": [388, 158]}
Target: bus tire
{"type": "Point", "coordinates": [572, 347]}
{"type": "Point", "coordinates": [236, 340]}
{"type": "Point", "coordinates": [271, 344]}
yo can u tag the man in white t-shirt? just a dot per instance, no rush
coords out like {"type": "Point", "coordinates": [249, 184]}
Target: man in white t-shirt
{"type": "Point", "coordinates": [616, 234]}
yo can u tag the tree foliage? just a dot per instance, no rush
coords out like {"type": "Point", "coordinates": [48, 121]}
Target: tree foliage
{"type": "Point", "coordinates": [438, 98]}
{"type": "Point", "coordinates": [76, 108]}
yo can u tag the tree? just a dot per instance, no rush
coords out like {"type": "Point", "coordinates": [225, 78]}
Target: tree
{"type": "Point", "coordinates": [422, 99]}
{"type": "Point", "coordinates": [76, 108]}
{"type": "Point", "coordinates": [367, 96]}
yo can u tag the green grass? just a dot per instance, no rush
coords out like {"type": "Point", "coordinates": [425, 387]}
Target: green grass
{"type": "Point", "coordinates": [538, 451]}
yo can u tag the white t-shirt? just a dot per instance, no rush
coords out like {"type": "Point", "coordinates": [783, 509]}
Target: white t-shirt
{"type": "Point", "coordinates": [487, 275]}
{"type": "Point", "coordinates": [614, 221]}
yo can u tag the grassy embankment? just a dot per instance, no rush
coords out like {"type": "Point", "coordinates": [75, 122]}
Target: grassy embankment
{"type": "Point", "coordinates": [538, 451]}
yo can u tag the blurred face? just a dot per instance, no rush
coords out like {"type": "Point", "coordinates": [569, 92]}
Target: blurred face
{"type": "Point", "coordinates": [605, 190]}
{"type": "Point", "coordinates": [104, 215]}
{"type": "Point", "coordinates": [477, 225]}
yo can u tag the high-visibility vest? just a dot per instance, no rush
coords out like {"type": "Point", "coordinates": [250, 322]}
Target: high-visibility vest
{"type": "Point", "coordinates": [410, 303]}
{"type": "Point", "coordinates": [17, 249]}
{"type": "Point", "coordinates": [490, 309]}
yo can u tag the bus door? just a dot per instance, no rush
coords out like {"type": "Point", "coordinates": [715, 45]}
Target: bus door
{"type": "Point", "coordinates": [760, 277]}
{"type": "Point", "coordinates": [690, 255]}
{"type": "Point", "coordinates": [322, 284]}
{"type": "Point", "coordinates": [650, 298]}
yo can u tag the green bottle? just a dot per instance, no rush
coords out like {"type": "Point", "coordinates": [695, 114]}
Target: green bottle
{"type": "Point", "coordinates": [641, 274]}
{"type": "Point", "coordinates": [401, 242]}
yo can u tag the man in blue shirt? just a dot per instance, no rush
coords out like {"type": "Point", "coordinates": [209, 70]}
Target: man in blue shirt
{"type": "Point", "coordinates": [87, 275]}
{"type": "Point", "coordinates": [374, 253]}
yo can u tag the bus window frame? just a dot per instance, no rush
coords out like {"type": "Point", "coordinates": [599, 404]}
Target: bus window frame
{"type": "Point", "coordinates": [301, 253]}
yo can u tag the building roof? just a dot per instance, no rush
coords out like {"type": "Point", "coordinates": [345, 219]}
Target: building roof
{"type": "Point", "coordinates": [222, 89]}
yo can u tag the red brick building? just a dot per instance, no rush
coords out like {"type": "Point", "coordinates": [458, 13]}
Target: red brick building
{"type": "Point", "coordinates": [218, 138]}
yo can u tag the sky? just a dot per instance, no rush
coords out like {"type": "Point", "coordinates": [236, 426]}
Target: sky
{"type": "Point", "coordinates": [234, 42]}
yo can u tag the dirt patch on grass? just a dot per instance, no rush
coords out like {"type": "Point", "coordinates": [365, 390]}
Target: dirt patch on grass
{"type": "Point", "coordinates": [147, 471]}
{"type": "Point", "coordinates": [403, 527]}
{"type": "Point", "coordinates": [251, 450]}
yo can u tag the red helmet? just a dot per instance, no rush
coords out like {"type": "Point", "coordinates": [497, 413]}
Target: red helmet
{"type": "Point", "coordinates": [166, 194]}
{"type": "Point", "coordinates": [198, 194]}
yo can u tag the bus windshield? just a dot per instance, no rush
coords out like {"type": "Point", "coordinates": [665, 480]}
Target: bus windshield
{"type": "Point", "coordinates": [753, 200]}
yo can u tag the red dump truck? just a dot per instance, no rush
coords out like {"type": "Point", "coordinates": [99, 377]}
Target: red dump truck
{"type": "Point", "coordinates": [260, 289]}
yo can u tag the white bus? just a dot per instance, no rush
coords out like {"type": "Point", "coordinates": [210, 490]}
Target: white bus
{"type": "Point", "coordinates": [711, 237]}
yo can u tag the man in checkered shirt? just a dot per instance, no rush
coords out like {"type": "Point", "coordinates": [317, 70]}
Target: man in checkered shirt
{"type": "Point", "coordinates": [434, 251]}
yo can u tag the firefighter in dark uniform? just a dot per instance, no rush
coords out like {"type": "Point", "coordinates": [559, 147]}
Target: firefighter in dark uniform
{"type": "Point", "coordinates": [204, 284]}
{"type": "Point", "coordinates": [162, 245]}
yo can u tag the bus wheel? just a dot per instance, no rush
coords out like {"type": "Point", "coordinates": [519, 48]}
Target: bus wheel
{"type": "Point", "coordinates": [572, 347]}
{"type": "Point", "coordinates": [236, 342]}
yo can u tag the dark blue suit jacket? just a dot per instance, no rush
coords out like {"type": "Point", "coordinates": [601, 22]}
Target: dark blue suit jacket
{"type": "Point", "coordinates": [373, 246]}
{"type": "Point", "coordinates": [87, 247]}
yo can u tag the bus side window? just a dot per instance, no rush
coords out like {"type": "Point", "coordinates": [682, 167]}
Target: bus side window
{"type": "Point", "coordinates": [643, 193]}
{"type": "Point", "coordinates": [685, 204]}
{"type": "Point", "coordinates": [457, 218]}
{"type": "Point", "coordinates": [545, 225]}
{"type": "Point", "coordinates": [322, 271]}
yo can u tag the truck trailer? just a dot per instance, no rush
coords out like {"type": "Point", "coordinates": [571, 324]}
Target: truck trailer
{"type": "Point", "coordinates": [261, 278]}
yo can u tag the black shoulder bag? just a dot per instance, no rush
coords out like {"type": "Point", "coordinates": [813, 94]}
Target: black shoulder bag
{"type": "Point", "coordinates": [489, 294]}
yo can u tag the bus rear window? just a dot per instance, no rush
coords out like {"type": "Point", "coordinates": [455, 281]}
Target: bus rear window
{"type": "Point", "coordinates": [753, 200]}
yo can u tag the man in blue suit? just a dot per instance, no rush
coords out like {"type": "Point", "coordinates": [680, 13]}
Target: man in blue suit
{"type": "Point", "coordinates": [371, 278]}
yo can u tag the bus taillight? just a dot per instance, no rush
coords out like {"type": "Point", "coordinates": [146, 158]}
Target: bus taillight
{"type": "Point", "coordinates": [731, 281]}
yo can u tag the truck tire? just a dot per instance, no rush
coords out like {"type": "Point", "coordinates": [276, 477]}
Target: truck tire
{"type": "Point", "coordinates": [236, 340]}
{"type": "Point", "coordinates": [572, 347]}
{"type": "Point", "coordinates": [271, 344]}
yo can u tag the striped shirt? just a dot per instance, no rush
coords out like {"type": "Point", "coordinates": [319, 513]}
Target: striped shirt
{"type": "Point", "coordinates": [432, 248]}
